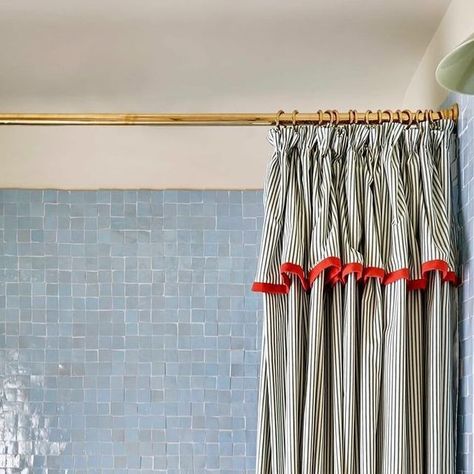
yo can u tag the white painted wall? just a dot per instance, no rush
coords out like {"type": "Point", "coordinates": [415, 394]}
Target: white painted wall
{"type": "Point", "coordinates": [456, 25]}
{"type": "Point", "coordinates": [183, 56]}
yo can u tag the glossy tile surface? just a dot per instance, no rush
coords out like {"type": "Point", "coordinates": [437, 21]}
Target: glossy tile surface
{"type": "Point", "coordinates": [128, 333]}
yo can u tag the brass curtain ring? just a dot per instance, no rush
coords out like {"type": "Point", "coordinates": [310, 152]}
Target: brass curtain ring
{"type": "Point", "coordinates": [337, 117]}
{"type": "Point", "coordinates": [379, 117]}
{"type": "Point", "coordinates": [351, 118]}
{"type": "Point", "coordinates": [329, 112]}
{"type": "Point", "coordinates": [409, 115]}
{"type": "Point", "coordinates": [431, 115]}
{"type": "Point", "coordinates": [293, 117]}
{"type": "Point", "coordinates": [277, 118]}
{"type": "Point", "coordinates": [356, 118]}
{"type": "Point", "coordinates": [417, 116]}
{"type": "Point", "coordinates": [390, 115]}
{"type": "Point", "coordinates": [320, 116]}
{"type": "Point", "coordinates": [399, 115]}
{"type": "Point", "coordinates": [367, 116]}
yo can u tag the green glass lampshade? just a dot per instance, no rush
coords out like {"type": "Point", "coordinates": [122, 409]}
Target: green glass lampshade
{"type": "Point", "coordinates": [455, 72]}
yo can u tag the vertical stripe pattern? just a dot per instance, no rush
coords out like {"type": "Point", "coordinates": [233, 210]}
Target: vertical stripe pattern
{"type": "Point", "coordinates": [358, 270]}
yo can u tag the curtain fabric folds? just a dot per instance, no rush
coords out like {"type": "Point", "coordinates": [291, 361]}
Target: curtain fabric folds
{"type": "Point", "coordinates": [358, 270]}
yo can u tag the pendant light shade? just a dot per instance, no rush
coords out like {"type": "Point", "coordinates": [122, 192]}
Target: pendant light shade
{"type": "Point", "coordinates": [456, 70]}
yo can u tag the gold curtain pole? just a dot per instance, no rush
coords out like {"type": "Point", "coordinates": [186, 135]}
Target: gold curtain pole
{"type": "Point", "coordinates": [321, 117]}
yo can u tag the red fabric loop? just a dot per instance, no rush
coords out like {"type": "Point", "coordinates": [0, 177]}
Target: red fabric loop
{"type": "Point", "coordinates": [403, 273]}
{"type": "Point", "coordinates": [349, 268]}
{"type": "Point", "coordinates": [432, 265]}
{"type": "Point", "coordinates": [332, 264]}
{"type": "Point", "coordinates": [373, 272]}
{"type": "Point", "coordinates": [294, 269]}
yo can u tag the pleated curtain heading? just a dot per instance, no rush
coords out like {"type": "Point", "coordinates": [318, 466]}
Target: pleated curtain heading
{"type": "Point", "coordinates": [358, 269]}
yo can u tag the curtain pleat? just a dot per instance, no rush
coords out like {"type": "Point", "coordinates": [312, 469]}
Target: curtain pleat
{"type": "Point", "coordinates": [358, 270]}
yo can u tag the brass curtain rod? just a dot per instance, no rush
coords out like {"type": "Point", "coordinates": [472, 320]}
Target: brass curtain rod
{"type": "Point", "coordinates": [320, 117]}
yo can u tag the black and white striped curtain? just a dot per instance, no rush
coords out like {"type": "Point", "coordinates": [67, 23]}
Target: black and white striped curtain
{"type": "Point", "coordinates": [358, 271]}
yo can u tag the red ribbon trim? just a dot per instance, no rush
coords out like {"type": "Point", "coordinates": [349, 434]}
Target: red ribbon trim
{"type": "Point", "coordinates": [260, 287]}
{"type": "Point", "coordinates": [432, 265]}
{"type": "Point", "coordinates": [349, 268]}
{"type": "Point", "coordinates": [391, 277]}
{"type": "Point", "coordinates": [373, 272]}
{"type": "Point", "coordinates": [335, 273]}
{"type": "Point", "coordinates": [296, 270]}
{"type": "Point", "coordinates": [332, 264]}
{"type": "Point", "coordinates": [419, 284]}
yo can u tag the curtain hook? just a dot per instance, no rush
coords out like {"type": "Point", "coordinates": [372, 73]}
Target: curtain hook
{"type": "Point", "coordinates": [277, 118]}
{"type": "Point", "coordinates": [293, 118]}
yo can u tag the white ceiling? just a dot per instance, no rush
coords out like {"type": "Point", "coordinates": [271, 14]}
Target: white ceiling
{"type": "Point", "coordinates": [209, 55]}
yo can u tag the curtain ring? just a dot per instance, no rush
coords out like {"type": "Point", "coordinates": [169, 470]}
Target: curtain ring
{"type": "Point", "coordinates": [351, 119]}
{"type": "Point", "coordinates": [367, 117]}
{"type": "Point", "coordinates": [379, 117]}
{"type": "Point", "coordinates": [329, 112]}
{"type": "Point", "coordinates": [398, 114]}
{"type": "Point", "coordinates": [277, 118]}
{"type": "Point", "coordinates": [417, 116]}
{"type": "Point", "coordinates": [293, 118]}
{"type": "Point", "coordinates": [410, 117]}
{"type": "Point", "coordinates": [356, 118]}
{"type": "Point", "coordinates": [320, 117]}
{"type": "Point", "coordinates": [337, 118]}
{"type": "Point", "coordinates": [390, 114]}
{"type": "Point", "coordinates": [431, 115]}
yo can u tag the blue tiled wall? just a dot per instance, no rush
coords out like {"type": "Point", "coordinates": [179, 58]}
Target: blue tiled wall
{"type": "Point", "coordinates": [464, 187]}
{"type": "Point", "coordinates": [128, 334]}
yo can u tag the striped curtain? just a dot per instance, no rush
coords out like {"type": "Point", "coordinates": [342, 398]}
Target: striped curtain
{"type": "Point", "coordinates": [358, 270]}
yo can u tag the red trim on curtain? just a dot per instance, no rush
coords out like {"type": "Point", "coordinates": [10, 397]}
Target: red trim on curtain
{"type": "Point", "coordinates": [332, 264]}
{"type": "Point", "coordinates": [432, 265]}
{"type": "Point", "coordinates": [296, 270]}
{"type": "Point", "coordinates": [336, 273]}
{"type": "Point", "coordinates": [453, 278]}
{"type": "Point", "coordinates": [349, 268]}
{"type": "Point", "coordinates": [373, 272]}
{"type": "Point", "coordinates": [402, 273]}
{"type": "Point", "coordinates": [418, 284]}
{"type": "Point", "coordinates": [260, 287]}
